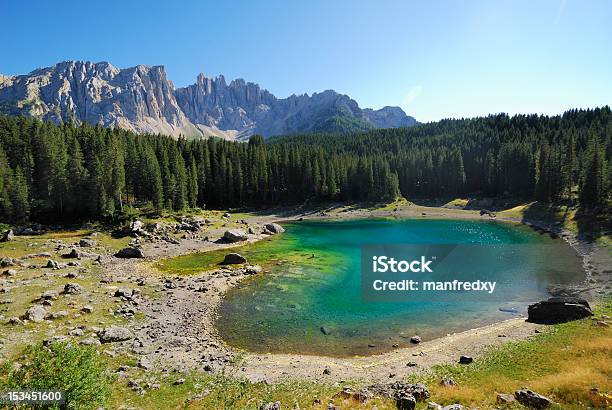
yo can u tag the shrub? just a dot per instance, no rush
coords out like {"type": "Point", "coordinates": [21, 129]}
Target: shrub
{"type": "Point", "coordinates": [76, 370]}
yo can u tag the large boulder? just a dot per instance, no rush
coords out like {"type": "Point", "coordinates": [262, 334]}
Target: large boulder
{"type": "Point", "coordinates": [35, 314]}
{"type": "Point", "coordinates": [233, 258]}
{"type": "Point", "coordinates": [532, 399]}
{"type": "Point", "coordinates": [273, 228]}
{"type": "Point", "coordinates": [114, 334]}
{"type": "Point", "coordinates": [7, 236]}
{"type": "Point", "coordinates": [130, 252]}
{"type": "Point", "coordinates": [558, 310]}
{"type": "Point", "coordinates": [234, 235]}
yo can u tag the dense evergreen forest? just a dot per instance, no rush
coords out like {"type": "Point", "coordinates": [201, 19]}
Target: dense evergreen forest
{"type": "Point", "coordinates": [65, 172]}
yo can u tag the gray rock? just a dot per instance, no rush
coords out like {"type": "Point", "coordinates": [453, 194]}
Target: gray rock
{"type": "Point", "coordinates": [72, 289]}
{"type": "Point", "coordinates": [87, 243]}
{"type": "Point", "coordinates": [405, 402]}
{"type": "Point", "coordinates": [235, 235]}
{"type": "Point", "coordinates": [4, 262]}
{"type": "Point", "coordinates": [73, 254]}
{"type": "Point", "coordinates": [124, 292]}
{"type": "Point", "coordinates": [325, 330]}
{"type": "Point", "coordinates": [9, 272]}
{"type": "Point", "coordinates": [136, 227]}
{"type": "Point", "coordinates": [415, 339]}
{"type": "Point", "coordinates": [35, 314]}
{"type": "Point", "coordinates": [49, 295]}
{"type": "Point", "coordinates": [233, 258]}
{"type": "Point", "coordinates": [453, 407]}
{"type": "Point", "coordinates": [130, 252]}
{"type": "Point", "coordinates": [7, 236]}
{"type": "Point", "coordinates": [447, 381]}
{"type": "Point", "coordinates": [51, 264]}
{"type": "Point", "coordinates": [532, 399]}
{"type": "Point", "coordinates": [361, 396]}
{"type": "Point", "coordinates": [57, 315]}
{"type": "Point", "coordinates": [558, 310]}
{"type": "Point", "coordinates": [271, 406]}
{"type": "Point", "coordinates": [503, 398]}
{"type": "Point", "coordinates": [274, 228]}
{"type": "Point", "coordinates": [145, 363]}
{"type": "Point", "coordinates": [87, 309]}
{"type": "Point", "coordinates": [114, 334]}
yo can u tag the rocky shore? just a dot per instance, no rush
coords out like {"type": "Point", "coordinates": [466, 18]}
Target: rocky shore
{"type": "Point", "coordinates": [180, 328]}
{"type": "Point", "coordinates": [167, 322]}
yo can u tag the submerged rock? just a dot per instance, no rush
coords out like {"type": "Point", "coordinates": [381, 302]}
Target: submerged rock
{"type": "Point", "coordinates": [558, 310]}
{"type": "Point", "coordinates": [325, 330]}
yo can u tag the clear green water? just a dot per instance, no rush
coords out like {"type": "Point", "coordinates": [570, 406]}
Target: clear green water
{"type": "Point", "coordinates": [283, 310]}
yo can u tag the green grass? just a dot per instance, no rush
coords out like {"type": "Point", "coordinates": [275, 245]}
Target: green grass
{"type": "Point", "coordinates": [76, 370]}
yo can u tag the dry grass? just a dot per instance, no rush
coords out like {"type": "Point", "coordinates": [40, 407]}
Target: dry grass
{"type": "Point", "coordinates": [566, 364]}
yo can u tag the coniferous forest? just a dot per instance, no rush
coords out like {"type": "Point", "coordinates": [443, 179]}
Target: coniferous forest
{"type": "Point", "coordinates": [65, 172]}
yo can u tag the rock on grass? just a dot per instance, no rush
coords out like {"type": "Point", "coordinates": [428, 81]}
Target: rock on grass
{"type": "Point", "coordinates": [130, 252]}
{"type": "Point", "coordinates": [114, 334]}
{"type": "Point", "coordinates": [234, 235]}
{"type": "Point", "coordinates": [234, 258]}
{"type": "Point", "coordinates": [532, 399]}
{"type": "Point", "coordinates": [558, 310]}
{"type": "Point", "coordinates": [35, 314]}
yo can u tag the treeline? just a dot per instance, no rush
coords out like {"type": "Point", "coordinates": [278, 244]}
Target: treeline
{"type": "Point", "coordinates": [67, 171]}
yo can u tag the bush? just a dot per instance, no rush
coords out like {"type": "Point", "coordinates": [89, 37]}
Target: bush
{"type": "Point", "coordinates": [76, 370]}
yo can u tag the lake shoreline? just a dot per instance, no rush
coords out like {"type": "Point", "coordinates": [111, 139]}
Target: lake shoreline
{"type": "Point", "coordinates": [198, 315]}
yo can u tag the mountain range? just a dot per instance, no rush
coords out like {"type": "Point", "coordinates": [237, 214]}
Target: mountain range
{"type": "Point", "coordinates": [142, 99]}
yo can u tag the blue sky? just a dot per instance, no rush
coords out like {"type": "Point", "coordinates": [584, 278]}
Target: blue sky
{"type": "Point", "coordinates": [435, 59]}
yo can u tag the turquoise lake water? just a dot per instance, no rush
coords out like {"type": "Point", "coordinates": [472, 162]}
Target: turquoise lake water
{"type": "Point", "coordinates": [313, 279]}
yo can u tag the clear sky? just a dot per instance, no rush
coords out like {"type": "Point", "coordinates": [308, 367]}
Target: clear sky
{"type": "Point", "coordinates": [435, 59]}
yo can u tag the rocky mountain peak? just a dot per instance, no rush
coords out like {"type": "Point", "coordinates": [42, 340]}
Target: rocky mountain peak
{"type": "Point", "coordinates": [143, 99]}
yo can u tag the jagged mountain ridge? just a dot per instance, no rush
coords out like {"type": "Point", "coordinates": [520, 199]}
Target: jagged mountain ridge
{"type": "Point", "coordinates": [142, 99]}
